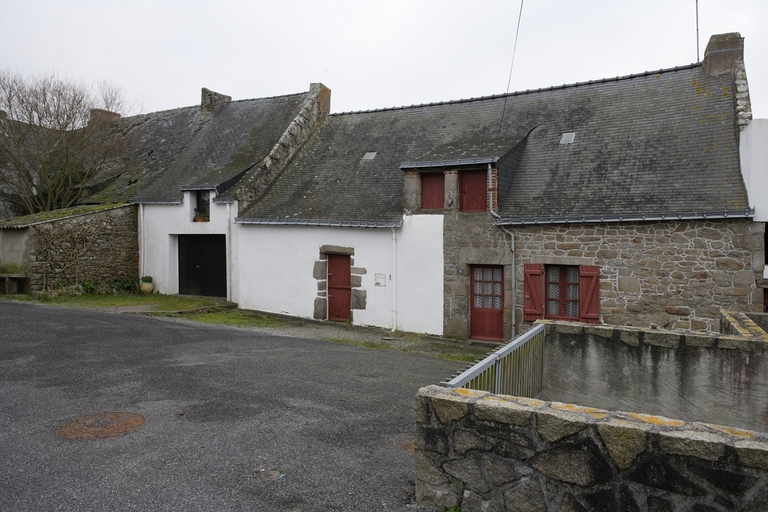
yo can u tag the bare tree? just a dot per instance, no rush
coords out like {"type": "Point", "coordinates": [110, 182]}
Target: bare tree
{"type": "Point", "coordinates": [55, 137]}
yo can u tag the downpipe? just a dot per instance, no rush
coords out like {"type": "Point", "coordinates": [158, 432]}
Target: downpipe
{"type": "Point", "coordinates": [496, 216]}
{"type": "Point", "coordinates": [394, 280]}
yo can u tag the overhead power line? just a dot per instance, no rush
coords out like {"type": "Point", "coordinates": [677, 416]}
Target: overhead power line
{"type": "Point", "coordinates": [514, 50]}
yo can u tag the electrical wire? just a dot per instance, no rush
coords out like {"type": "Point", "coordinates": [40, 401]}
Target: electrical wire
{"type": "Point", "coordinates": [514, 50]}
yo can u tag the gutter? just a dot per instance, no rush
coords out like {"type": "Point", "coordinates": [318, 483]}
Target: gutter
{"type": "Point", "coordinates": [171, 202]}
{"type": "Point", "coordinates": [317, 222]}
{"type": "Point", "coordinates": [627, 217]}
{"type": "Point", "coordinates": [449, 163]}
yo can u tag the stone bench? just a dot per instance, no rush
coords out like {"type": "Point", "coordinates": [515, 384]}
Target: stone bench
{"type": "Point", "coordinates": [13, 284]}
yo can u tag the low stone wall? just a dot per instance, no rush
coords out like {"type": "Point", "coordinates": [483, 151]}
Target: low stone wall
{"type": "Point", "coordinates": [96, 247]}
{"type": "Point", "coordinates": [690, 376]}
{"type": "Point", "coordinates": [485, 452]}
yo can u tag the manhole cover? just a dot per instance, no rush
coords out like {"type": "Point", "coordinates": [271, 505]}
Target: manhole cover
{"type": "Point", "coordinates": [101, 426]}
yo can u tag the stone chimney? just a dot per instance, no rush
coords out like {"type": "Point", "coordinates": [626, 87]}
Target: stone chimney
{"type": "Point", "coordinates": [212, 101]}
{"type": "Point", "coordinates": [99, 115]}
{"type": "Point", "coordinates": [722, 52]}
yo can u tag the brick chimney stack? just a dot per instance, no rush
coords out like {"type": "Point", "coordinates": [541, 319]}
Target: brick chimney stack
{"type": "Point", "coordinates": [722, 52]}
{"type": "Point", "coordinates": [212, 101]}
{"type": "Point", "coordinates": [99, 115]}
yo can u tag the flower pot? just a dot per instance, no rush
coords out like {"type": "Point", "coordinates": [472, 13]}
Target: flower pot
{"type": "Point", "coordinates": [146, 287]}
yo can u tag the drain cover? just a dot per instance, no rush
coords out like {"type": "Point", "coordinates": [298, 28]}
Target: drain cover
{"type": "Point", "coordinates": [101, 426]}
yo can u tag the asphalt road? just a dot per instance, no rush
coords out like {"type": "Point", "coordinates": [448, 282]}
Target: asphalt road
{"type": "Point", "coordinates": [234, 419]}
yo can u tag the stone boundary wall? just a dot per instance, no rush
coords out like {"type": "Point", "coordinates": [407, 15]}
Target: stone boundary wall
{"type": "Point", "coordinates": [491, 453]}
{"type": "Point", "coordinates": [741, 324]}
{"type": "Point", "coordinates": [96, 247]}
{"type": "Point", "coordinates": [704, 377]}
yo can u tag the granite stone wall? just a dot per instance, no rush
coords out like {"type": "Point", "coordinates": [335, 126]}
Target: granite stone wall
{"type": "Point", "coordinates": [494, 453]}
{"type": "Point", "coordinates": [673, 274]}
{"type": "Point", "coordinates": [471, 239]}
{"type": "Point", "coordinates": [96, 247]}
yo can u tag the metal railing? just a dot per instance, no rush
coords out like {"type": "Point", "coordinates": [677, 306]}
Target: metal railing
{"type": "Point", "coordinates": [515, 369]}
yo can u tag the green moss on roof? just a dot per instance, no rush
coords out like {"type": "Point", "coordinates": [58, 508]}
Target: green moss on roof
{"type": "Point", "coordinates": [39, 218]}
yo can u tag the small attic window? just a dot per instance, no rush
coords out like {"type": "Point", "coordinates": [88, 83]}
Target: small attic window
{"type": "Point", "coordinates": [567, 138]}
{"type": "Point", "coordinates": [369, 155]}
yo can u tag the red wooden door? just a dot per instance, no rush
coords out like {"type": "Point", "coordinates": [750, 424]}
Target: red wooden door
{"type": "Point", "coordinates": [486, 316]}
{"type": "Point", "coordinates": [339, 287]}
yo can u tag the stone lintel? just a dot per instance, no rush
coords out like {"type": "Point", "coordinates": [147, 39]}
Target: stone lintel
{"type": "Point", "coordinates": [335, 249]}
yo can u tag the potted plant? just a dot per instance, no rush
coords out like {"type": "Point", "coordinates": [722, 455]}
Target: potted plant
{"type": "Point", "coordinates": [146, 285]}
{"type": "Point", "coordinates": [201, 216]}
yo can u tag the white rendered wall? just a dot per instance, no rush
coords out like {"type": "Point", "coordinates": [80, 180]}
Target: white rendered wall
{"type": "Point", "coordinates": [753, 148]}
{"type": "Point", "coordinates": [420, 274]}
{"type": "Point", "coordinates": [159, 227]}
{"type": "Point", "coordinates": [754, 166]}
{"type": "Point", "coordinates": [277, 262]}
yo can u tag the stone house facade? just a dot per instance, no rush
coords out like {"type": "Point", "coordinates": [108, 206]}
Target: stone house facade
{"type": "Point", "coordinates": [673, 274]}
{"type": "Point", "coordinates": [633, 200]}
{"type": "Point", "coordinates": [617, 201]}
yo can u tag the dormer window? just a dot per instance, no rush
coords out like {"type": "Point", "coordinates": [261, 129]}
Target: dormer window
{"type": "Point", "coordinates": [202, 206]}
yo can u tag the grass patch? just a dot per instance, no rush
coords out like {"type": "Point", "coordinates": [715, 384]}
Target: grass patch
{"type": "Point", "coordinates": [238, 317]}
{"type": "Point", "coordinates": [156, 301]}
{"type": "Point", "coordinates": [359, 343]}
{"type": "Point", "coordinates": [11, 268]}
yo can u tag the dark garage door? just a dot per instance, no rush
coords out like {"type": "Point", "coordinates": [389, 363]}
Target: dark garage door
{"type": "Point", "coordinates": [203, 265]}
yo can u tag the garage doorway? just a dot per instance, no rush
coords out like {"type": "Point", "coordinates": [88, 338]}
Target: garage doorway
{"type": "Point", "coordinates": [203, 265]}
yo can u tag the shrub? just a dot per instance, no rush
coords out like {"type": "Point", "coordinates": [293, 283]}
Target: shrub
{"type": "Point", "coordinates": [123, 284]}
{"type": "Point", "coordinates": [146, 279]}
{"type": "Point", "coordinates": [88, 287]}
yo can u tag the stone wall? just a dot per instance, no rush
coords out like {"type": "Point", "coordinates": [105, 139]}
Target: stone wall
{"type": "Point", "coordinates": [674, 274]}
{"type": "Point", "coordinates": [696, 377]}
{"type": "Point", "coordinates": [490, 453]}
{"type": "Point", "coordinates": [471, 239]}
{"type": "Point", "coordinates": [96, 247]}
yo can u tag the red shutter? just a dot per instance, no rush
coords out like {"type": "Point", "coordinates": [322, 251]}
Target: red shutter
{"type": "Point", "coordinates": [533, 288]}
{"type": "Point", "coordinates": [589, 294]}
{"type": "Point", "coordinates": [432, 190]}
{"type": "Point", "coordinates": [474, 191]}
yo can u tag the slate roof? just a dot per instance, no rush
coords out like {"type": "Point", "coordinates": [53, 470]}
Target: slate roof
{"type": "Point", "coordinates": [166, 152]}
{"type": "Point", "coordinates": [660, 142]}
{"type": "Point", "coordinates": [63, 213]}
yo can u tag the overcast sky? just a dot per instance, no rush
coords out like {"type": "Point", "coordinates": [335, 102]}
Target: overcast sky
{"type": "Point", "coordinates": [370, 54]}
